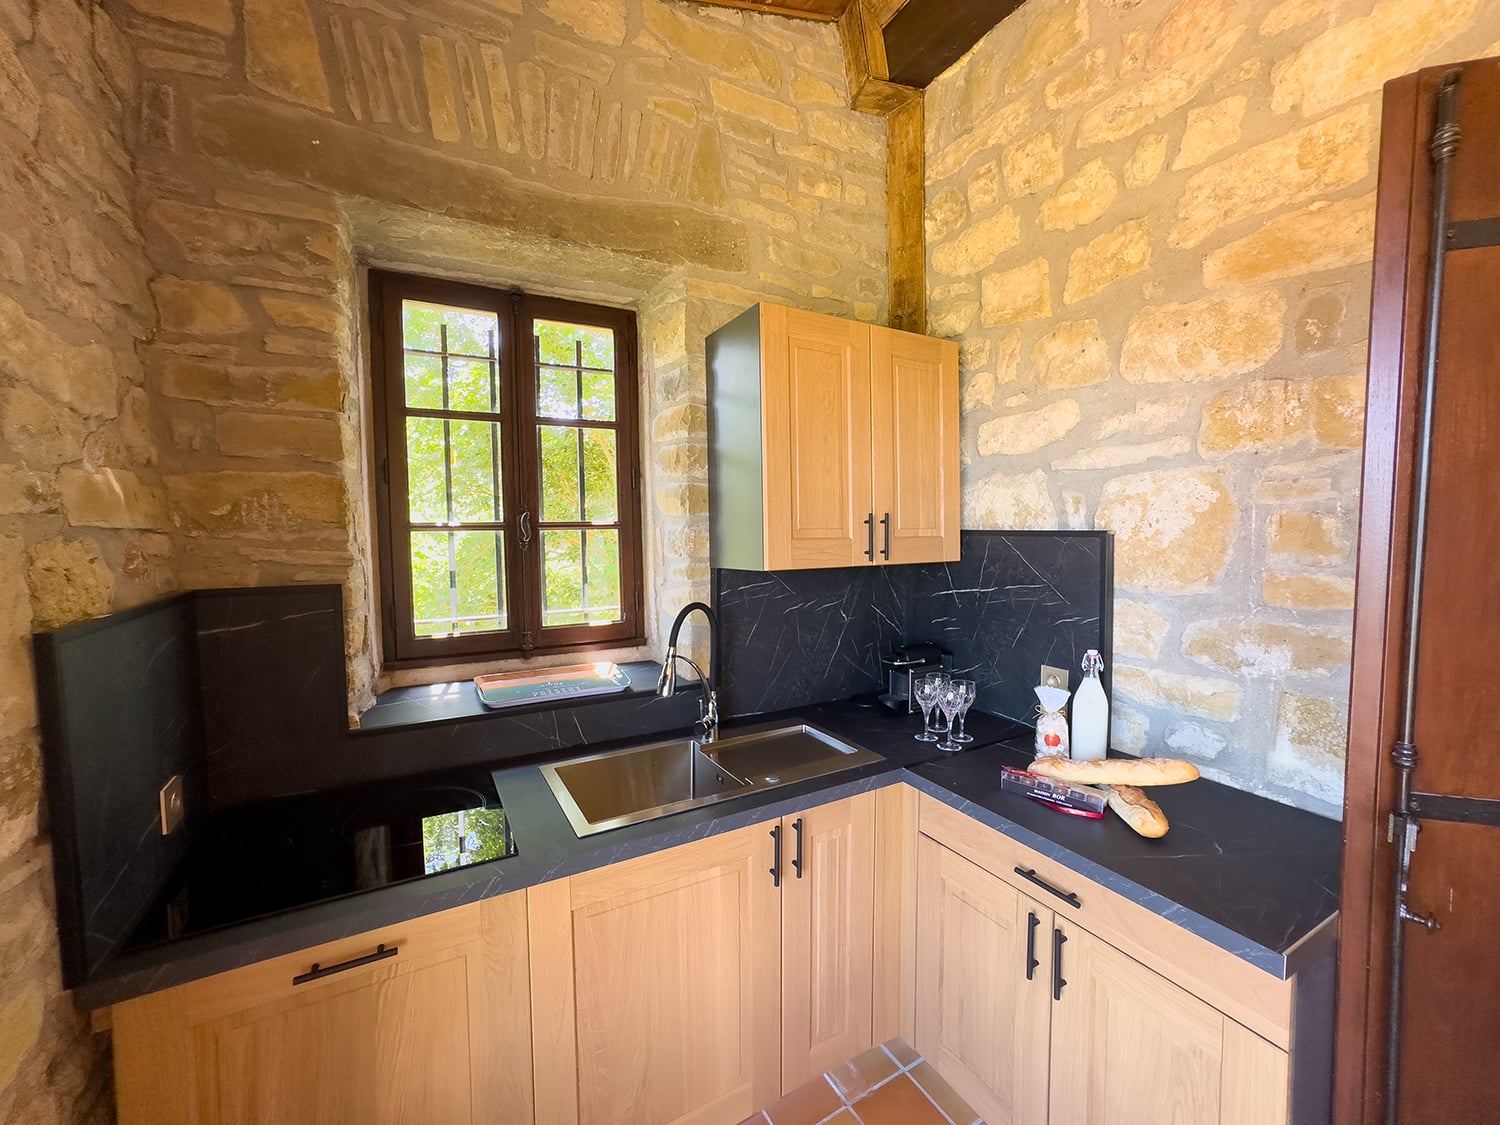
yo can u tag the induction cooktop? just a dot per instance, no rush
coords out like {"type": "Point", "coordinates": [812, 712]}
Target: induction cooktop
{"type": "Point", "coordinates": [274, 856]}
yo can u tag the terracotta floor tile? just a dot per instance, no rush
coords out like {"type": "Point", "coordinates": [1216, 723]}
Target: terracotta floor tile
{"type": "Point", "coordinates": [806, 1105]}
{"type": "Point", "coordinates": [862, 1072]}
{"type": "Point", "coordinates": [945, 1095]}
{"type": "Point", "coordinates": [905, 1053]}
{"type": "Point", "coordinates": [757, 1119]}
{"type": "Point", "coordinates": [898, 1102]}
{"type": "Point", "coordinates": [845, 1118]}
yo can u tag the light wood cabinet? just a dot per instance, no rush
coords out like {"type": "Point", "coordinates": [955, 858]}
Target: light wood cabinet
{"type": "Point", "coordinates": [831, 443]}
{"type": "Point", "coordinates": [438, 1031]}
{"type": "Point", "coordinates": [827, 938]}
{"type": "Point", "coordinates": [1093, 1036]}
{"type": "Point", "coordinates": [698, 984]}
{"type": "Point", "coordinates": [662, 977]}
{"type": "Point", "coordinates": [983, 1003]}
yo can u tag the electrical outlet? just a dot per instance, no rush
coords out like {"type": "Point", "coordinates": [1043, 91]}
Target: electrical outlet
{"type": "Point", "coordinates": [170, 800]}
{"type": "Point", "coordinates": [1054, 677]}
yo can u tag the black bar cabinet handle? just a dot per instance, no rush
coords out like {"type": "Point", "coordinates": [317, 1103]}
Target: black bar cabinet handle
{"type": "Point", "coordinates": [1059, 939]}
{"type": "Point", "coordinates": [1032, 922]}
{"type": "Point", "coordinates": [797, 857]}
{"type": "Point", "coordinates": [870, 537]}
{"type": "Point", "coordinates": [1030, 875]}
{"type": "Point", "coordinates": [885, 521]}
{"type": "Point", "coordinates": [318, 972]}
{"type": "Point", "coordinates": [776, 856]}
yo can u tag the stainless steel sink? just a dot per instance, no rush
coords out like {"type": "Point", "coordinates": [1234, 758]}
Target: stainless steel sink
{"type": "Point", "coordinates": [611, 790]}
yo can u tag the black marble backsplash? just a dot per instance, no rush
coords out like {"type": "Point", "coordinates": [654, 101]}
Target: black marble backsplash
{"type": "Point", "coordinates": [1014, 601]}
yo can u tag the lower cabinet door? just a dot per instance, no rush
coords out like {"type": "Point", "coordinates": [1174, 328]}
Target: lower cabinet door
{"type": "Point", "coordinates": [828, 938]}
{"type": "Point", "coordinates": [656, 986]}
{"type": "Point", "coordinates": [983, 994]}
{"type": "Point", "coordinates": [439, 1031]}
{"type": "Point", "coordinates": [1131, 1048]}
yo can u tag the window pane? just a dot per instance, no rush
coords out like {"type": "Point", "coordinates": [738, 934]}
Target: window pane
{"type": "Point", "coordinates": [471, 332]}
{"type": "Point", "coordinates": [457, 582]}
{"type": "Point", "coordinates": [472, 386]}
{"type": "Point", "coordinates": [426, 483]}
{"type": "Point", "coordinates": [560, 343]}
{"type": "Point", "coordinates": [581, 585]}
{"type": "Point", "coordinates": [561, 498]}
{"type": "Point", "coordinates": [472, 450]}
{"type": "Point", "coordinates": [599, 396]}
{"type": "Point", "coordinates": [578, 475]}
{"type": "Point", "coordinates": [476, 471]}
{"type": "Point", "coordinates": [557, 392]}
{"type": "Point", "coordinates": [424, 382]}
{"type": "Point", "coordinates": [599, 490]}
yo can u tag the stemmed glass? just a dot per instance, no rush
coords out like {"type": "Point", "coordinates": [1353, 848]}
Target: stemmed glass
{"type": "Point", "coordinates": [951, 699]}
{"type": "Point", "coordinates": [971, 689]}
{"type": "Point", "coordinates": [935, 726]}
{"type": "Point", "coordinates": [926, 690]}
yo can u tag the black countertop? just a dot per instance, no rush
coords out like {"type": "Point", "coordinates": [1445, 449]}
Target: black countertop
{"type": "Point", "coordinates": [1254, 877]}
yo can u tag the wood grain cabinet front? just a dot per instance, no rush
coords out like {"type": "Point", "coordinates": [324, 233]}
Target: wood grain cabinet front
{"type": "Point", "coordinates": [694, 986]}
{"type": "Point", "coordinates": [1034, 1002]}
{"type": "Point", "coordinates": [412, 1024]}
{"type": "Point", "coordinates": [831, 443]}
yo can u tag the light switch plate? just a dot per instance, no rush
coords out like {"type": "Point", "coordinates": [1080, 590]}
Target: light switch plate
{"type": "Point", "coordinates": [1054, 677]}
{"type": "Point", "coordinates": [170, 799]}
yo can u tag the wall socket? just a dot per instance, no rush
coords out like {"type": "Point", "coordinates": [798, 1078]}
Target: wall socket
{"type": "Point", "coordinates": [1054, 677]}
{"type": "Point", "coordinates": [170, 799]}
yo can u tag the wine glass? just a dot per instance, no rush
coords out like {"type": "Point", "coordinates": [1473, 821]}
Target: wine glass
{"type": "Point", "coordinates": [935, 727]}
{"type": "Point", "coordinates": [925, 691]}
{"type": "Point", "coordinates": [950, 698]}
{"type": "Point", "coordinates": [971, 689]}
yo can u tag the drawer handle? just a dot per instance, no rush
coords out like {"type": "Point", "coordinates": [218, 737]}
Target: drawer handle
{"type": "Point", "coordinates": [797, 859]}
{"type": "Point", "coordinates": [318, 972]}
{"type": "Point", "coordinates": [885, 522]}
{"type": "Point", "coordinates": [775, 867]}
{"type": "Point", "coordinates": [870, 533]}
{"type": "Point", "coordinates": [1059, 939]}
{"type": "Point", "coordinates": [1032, 922]}
{"type": "Point", "coordinates": [1030, 875]}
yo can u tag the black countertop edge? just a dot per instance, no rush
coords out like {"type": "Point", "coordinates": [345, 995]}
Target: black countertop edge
{"type": "Point", "coordinates": [407, 708]}
{"type": "Point", "coordinates": [549, 850]}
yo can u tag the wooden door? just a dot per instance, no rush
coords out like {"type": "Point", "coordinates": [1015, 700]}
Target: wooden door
{"type": "Point", "coordinates": [979, 1020]}
{"type": "Point", "coordinates": [827, 938]}
{"type": "Point", "coordinates": [1441, 1075]}
{"type": "Point", "coordinates": [914, 409]}
{"type": "Point", "coordinates": [656, 984]}
{"type": "Point", "coordinates": [815, 436]}
{"type": "Point", "coordinates": [439, 1032]}
{"type": "Point", "coordinates": [1128, 1046]}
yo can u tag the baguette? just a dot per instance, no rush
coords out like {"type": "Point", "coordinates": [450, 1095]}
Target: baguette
{"type": "Point", "coordinates": [1138, 810]}
{"type": "Point", "coordinates": [1117, 771]}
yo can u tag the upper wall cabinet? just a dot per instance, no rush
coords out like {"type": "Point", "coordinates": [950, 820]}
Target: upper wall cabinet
{"type": "Point", "coordinates": [831, 443]}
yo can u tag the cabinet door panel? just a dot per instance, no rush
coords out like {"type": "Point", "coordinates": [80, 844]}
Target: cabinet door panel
{"type": "Point", "coordinates": [816, 437]}
{"type": "Point", "coordinates": [1128, 1046]}
{"type": "Point", "coordinates": [980, 1022]}
{"type": "Point", "coordinates": [828, 938]}
{"type": "Point", "coordinates": [440, 1032]}
{"type": "Point", "coordinates": [676, 973]}
{"type": "Point", "coordinates": [914, 405]}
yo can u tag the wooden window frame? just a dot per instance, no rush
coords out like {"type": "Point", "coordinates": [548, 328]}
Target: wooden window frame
{"type": "Point", "coordinates": [521, 475]}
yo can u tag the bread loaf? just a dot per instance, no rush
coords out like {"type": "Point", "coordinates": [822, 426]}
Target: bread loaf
{"type": "Point", "coordinates": [1117, 771]}
{"type": "Point", "coordinates": [1138, 810]}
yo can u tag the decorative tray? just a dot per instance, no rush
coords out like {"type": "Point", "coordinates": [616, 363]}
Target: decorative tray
{"type": "Point", "coordinates": [572, 681]}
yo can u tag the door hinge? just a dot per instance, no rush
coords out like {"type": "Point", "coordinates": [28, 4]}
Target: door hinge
{"type": "Point", "coordinates": [527, 644]}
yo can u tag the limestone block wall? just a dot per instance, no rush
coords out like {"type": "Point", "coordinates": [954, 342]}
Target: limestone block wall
{"type": "Point", "coordinates": [1150, 227]}
{"type": "Point", "coordinates": [83, 520]}
{"type": "Point", "coordinates": [684, 161]}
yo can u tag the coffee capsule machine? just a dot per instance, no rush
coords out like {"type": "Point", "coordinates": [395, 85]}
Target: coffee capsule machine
{"type": "Point", "coordinates": [904, 666]}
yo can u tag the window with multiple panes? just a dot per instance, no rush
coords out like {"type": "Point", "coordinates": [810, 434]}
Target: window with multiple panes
{"type": "Point", "coordinates": [507, 472]}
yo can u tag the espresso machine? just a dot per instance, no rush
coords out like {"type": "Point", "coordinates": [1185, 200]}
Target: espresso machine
{"type": "Point", "coordinates": [904, 666]}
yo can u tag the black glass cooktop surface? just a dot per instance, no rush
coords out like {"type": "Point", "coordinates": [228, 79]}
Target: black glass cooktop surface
{"type": "Point", "coordinates": [274, 856]}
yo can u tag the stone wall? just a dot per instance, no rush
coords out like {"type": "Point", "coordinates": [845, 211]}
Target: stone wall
{"type": "Point", "coordinates": [1150, 227]}
{"type": "Point", "coordinates": [684, 161]}
{"type": "Point", "coordinates": [83, 524]}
